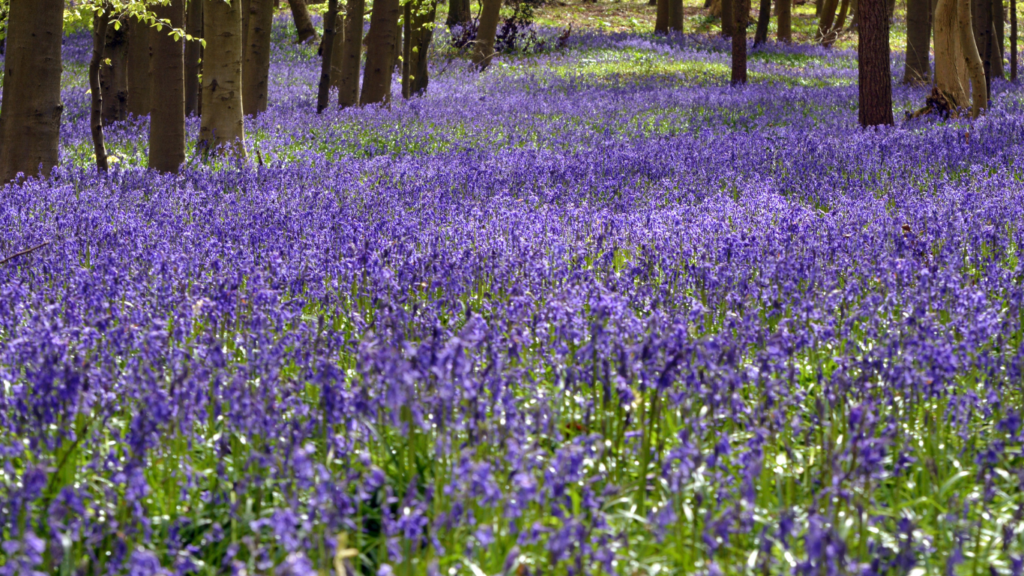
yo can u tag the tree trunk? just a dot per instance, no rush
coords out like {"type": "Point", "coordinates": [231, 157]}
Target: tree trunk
{"type": "Point", "coordinates": [348, 91]}
{"type": "Point", "coordinates": [764, 14]}
{"type": "Point", "coordinates": [303, 23]}
{"type": "Point", "coordinates": [327, 52]}
{"type": "Point", "coordinates": [825, 22]}
{"type": "Point", "coordinates": [874, 77]}
{"type": "Point", "coordinates": [728, 18]}
{"type": "Point", "coordinates": [99, 39]}
{"type": "Point", "coordinates": [488, 29]}
{"type": "Point", "coordinates": [972, 60]}
{"type": "Point", "coordinates": [675, 15]}
{"type": "Point", "coordinates": [193, 57]}
{"type": "Point", "coordinates": [167, 117]}
{"type": "Point", "coordinates": [981, 20]}
{"type": "Point", "coordinates": [31, 108]}
{"type": "Point", "coordinates": [998, 38]}
{"type": "Point", "coordinates": [950, 71]}
{"type": "Point", "coordinates": [410, 7]}
{"type": "Point", "coordinates": [741, 9]}
{"type": "Point", "coordinates": [458, 13]}
{"type": "Point", "coordinates": [114, 76]}
{"type": "Point", "coordinates": [1013, 40]}
{"type": "Point", "coordinates": [339, 51]}
{"type": "Point", "coordinates": [420, 32]}
{"type": "Point", "coordinates": [246, 13]}
{"type": "Point", "coordinates": [784, 16]}
{"type": "Point", "coordinates": [917, 71]}
{"type": "Point", "coordinates": [139, 82]}
{"type": "Point", "coordinates": [256, 70]}
{"type": "Point", "coordinates": [380, 53]}
{"type": "Point", "coordinates": [397, 58]}
{"type": "Point", "coordinates": [222, 79]}
{"type": "Point", "coordinates": [661, 17]}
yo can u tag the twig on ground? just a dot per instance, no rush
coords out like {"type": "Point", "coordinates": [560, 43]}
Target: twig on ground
{"type": "Point", "coordinates": [23, 252]}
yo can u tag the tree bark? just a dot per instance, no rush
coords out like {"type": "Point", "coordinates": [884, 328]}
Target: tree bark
{"type": "Point", "coordinates": [486, 32]}
{"type": "Point", "coordinates": [661, 17]}
{"type": "Point", "coordinates": [1013, 40]}
{"type": "Point", "coordinates": [339, 51]}
{"type": "Point", "coordinates": [675, 15]}
{"type": "Point", "coordinates": [875, 80]}
{"type": "Point", "coordinates": [420, 32]}
{"type": "Point", "coordinates": [998, 38]}
{"type": "Point", "coordinates": [917, 71]}
{"type": "Point", "coordinates": [826, 20]}
{"type": "Point", "coordinates": [741, 9]}
{"type": "Point", "coordinates": [972, 60]}
{"type": "Point", "coordinates": [728, 18]}
{"type": "Point", "coordinates": [981, 20]}
{"type": "Point", "coordinates": [326, 53]}
{"type": "Point", "coordinates": [764, 15]}
{"type": "Point", "coordinates": [348, 90]}
{"type": "Point", "coordinates": [31, 108]}
{"type": "Point", "coordinates": [458, 13]}
{"type": "Point", "coordinates": [99, 39]}
{"type": "Point", "coordinates": [193, 57]}
{"type": "Point", "coordinates": [139, 81]}
{"type": "Point", "coordinates": [256, 70]}
{"type": "Point", "coordinates": [303, 23]}
{"type": "Point", "coordinates": [950, 70]}
{"type": "Point", "coordinates": [221, 124]}
{"type": "Point", "coordinates": [380, 53]}
{"type": "Point", "coordinates": [114, 76]}
{"type": "Point", "coordinates": [784, 17]}
{"type": "Point", "coordinates": [167, 117]}
{"type": "Point", "coordinates": [246, 12]}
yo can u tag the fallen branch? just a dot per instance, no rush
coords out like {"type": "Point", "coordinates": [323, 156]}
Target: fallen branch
{"type": "Point", "coordinates": [23, 252]}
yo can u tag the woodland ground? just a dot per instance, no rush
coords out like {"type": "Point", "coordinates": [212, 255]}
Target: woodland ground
{"type": "Point", "coordinates": [594, 311]}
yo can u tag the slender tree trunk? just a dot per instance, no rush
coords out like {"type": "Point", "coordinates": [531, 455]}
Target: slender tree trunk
{"type": "Point", "coordinates": [303, 23]}
{"type": "Point", "coordinates": [875, 80]}
{"type": "Point", "coordinates": [728, 18]}
{"type": "Point", "coordinates": [1013, 40]}
{"type": "Point", "coordinates": [458, 13]}
{"type": "Point", "coordinates": [167, 117]}
{"type": "Point", "coordinates": [193, 57]}
{"type": "Point", "coordinates": [221, 123]}
{"type": "Point", "coordinates": [784, 15]}
{"type": "Point", "coordinates": [675, 15]}
{"type": "Point", "coordinates": [827, 19]}
{"type": "Point", "coordinates": [139, 81]}
{"type": "Point", "coordinates": [324, 89]}
{"type": "Point", "coordinates": [380, 52]}
{"type": "Point", "coordinates": [410, 8]}
{"type": "Point", "coordinates": [397, 62]}
{"type": "Point", "coordinates": [764, 15]}
{"type": "Point", "coordinates": [337, 57]}
{"type": "Point", "coordinates": [661, 17]}
{"type": "Point", "coordinates": [348, 91]}
{"type": "Point", "coordinates": [998, 38]}
{"type": "Point", "coordinates": [950, 70]}
{"type": "Point", "coordinates": [419, 33]}
{"type": "Point", "coordinates": [256, 70]}
{"type": "Point", "coordinates": [981, 20]}
{"type": "Point", "coordinates": [917, 71]}
{"type": "Point", "coordinates": [488, 29]}
{"type": "Point", "coordinates": [741, 9]}
{"type": "Point", "coordinates": [114, 76]}
{"type": "Point", "coordinates": [972, 60]}
{"type": "Point", "coordinates": [31, 109]}
{"type": "Point", "coordinates": [99, 39]}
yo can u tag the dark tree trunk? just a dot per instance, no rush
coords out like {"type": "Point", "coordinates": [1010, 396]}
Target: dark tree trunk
{"type": "Point", "coordinates": [303, 23]}
{"type": "Point", "coordinates": [139, 81]}
{"type": "Point", "coordinates": [339, 50]}
{"type": "Point", "coordinates": [661, 17]}
{"type": "Point", "coordinates": [31, 109]}
{"type": "Point", "coordinates": [484, 49]}
{"type": "Point", "coordinates": [875, 81]}
{"type": "Point", "coordinates": [114, 76]}
{"type": "Point", "coordinates": [917, 71]}
{"type": "Point", "coordinates": [784, 14]}
{"type": "Point", "coordinates": [458, 13]}
{"type": "Point", "coordinates": [256, 70]}
{"type": "Point", "coordinates": [326, 53]}
{"type": "Point", "coordinates": [99, 39]}
{"type": "Point", "coordinates": [741, 9]}
{"type": "Point", "coordinates": [397, 63]}
{"type": "Point", "coordinates": [764, 14]}
{"type": "Point", "coordinates": [675, 15]}
{"type": "Point", "coordinates": [348, 89]}
{"type": "Point", "coordinates": [419, 33]}
{"type": "Point", "coordinates": [380, 52]}
{"type": "Point", "coordinates": [981, 18]}
{"type": "Point", "coordinates": [221, 123]}
{"type": "Point", "coordinates": [998, 38]}
{"type": "Point", "coordinates": [193, 57]}
{"type": "Point", "coordinates": [728, 18]}
{"type": "Point", "coordinates": [246, 12]}
{"type": "Point", "coordinates": [826, 21]}
{"type": "Point", "coordinates": [1013, 40]}
{"type": "Point", "coordinates": [167, 117]}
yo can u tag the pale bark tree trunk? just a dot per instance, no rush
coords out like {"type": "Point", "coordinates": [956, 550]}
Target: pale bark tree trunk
{"type": "Point", "coordinates": [303, 23]}
{"type": "Point", "coordinates": [950, 71]}
{"type": "Point", "coordinates": [31, 109]}
{"type": "Point", "coordinates": [917, 70]}
{"type": "Point", "coordinates": [875, 80]}
{"type": "Point", "coordinates": [167, 117]}
{"type": "Point", "coordinates": [222, 79]}
{"type": "Point", "coordinates": [486, 32]}
{"type": "Point", "coordinates": [741, 9]}
{"type": "Point", "coordinates": [458, 13]}
{"type": "Point", "coordinates": [784, 17]}
{"type": "Point", "coordinates": [348, 91]}
{"type": "Point", "coordinates": [256, 70]}
{"type": "Point", "coordinates": [246, 12]}
{"type": "Point", "coordinates": [981, 21]}
{"type": "Point", "coordinates": [193, 57]}
{"type": "Point", "coordinates": [99, 39]}
{"type": "Point", "coordinates": [972, 60]}
{"type": "Point", "coordinates": [764, 15]}
{"type": "Point", "coordinates": [139, 81]}
{"type": "Point", "coordinates": [380, 52]}
{"type": "Point", "coordinates": [114, 76]}
{"type": "Point", "coordinates": [326, 53]}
